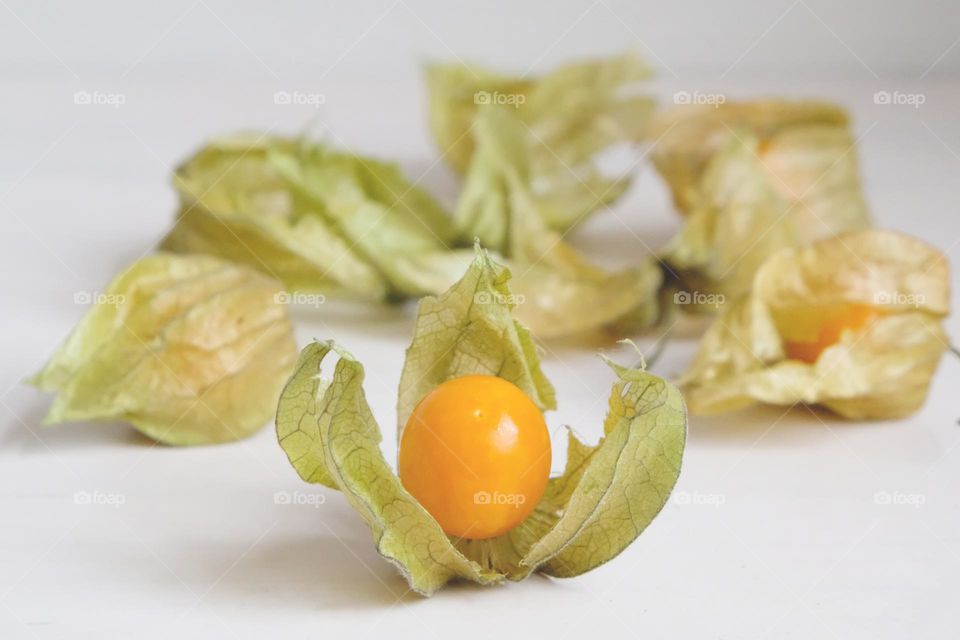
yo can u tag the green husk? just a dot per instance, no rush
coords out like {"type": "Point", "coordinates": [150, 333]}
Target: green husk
{"type": "Point", "coordinates": [605, 498]}
{"type": "Point", "coordinates": [187, 349]}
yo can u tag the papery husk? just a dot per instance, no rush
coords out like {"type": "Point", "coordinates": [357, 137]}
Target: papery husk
{"type": "Point", "coordinates": [881, 370]}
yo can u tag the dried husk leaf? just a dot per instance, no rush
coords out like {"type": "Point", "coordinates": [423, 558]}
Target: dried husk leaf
{"type": "Point", "coordinates": [187, 349]}
{"type": "Point", "coordinates": [607, 495]}
{"type": "Point", "coordinates": [317, 219]}
{"type": "Point", "coordinates": [470, 329]}
{"type": "Point", "coordinates": [881, 370]}
{"type": "Point", "coordinates": [687, 137]}
{"type": "Point", "coordinates": [331, 438]}
{"type": "Point", "coordinates": [755, 197]}
{"type": "Point", "coordinates": [558, 291]}
{"type": "Point", "coordinates": [571, 114]}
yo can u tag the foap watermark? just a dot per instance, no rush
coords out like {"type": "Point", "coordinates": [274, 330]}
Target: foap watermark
{"type": "Point", "coordinates": [98, 298]}
{"type": "Point", "coordinates": [699, 298]}
{"type": "Point", "coordinates": [899, 498]}
{"type": "Point", "coordinates": [299, 499]}
{"type": "Point", "coordinates": [899, 98]}
{"type": "Point", "coordinates": [899, 298]}
{"type": "Point", "coordinates": [497, 498]}
{"type": "Point", "coordinates": [100, 98]}
{"type": "Point", "coordinates": [300, 298]}
{"type": "Point", "coordinates": [100, 498]}
{"type": "Point", "coordinates": [715, 500]}
{"type": "Point", "coordinates": [494, 297]}
{"type": "Point", "coordinates": [699, 98]}
{"type": "Point", "coordinates": [300, 98]}
{"type": "Point", "coordinates": [496, 97]}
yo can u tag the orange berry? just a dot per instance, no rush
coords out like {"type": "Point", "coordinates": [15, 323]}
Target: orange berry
{"type": "Point", "coordinates": [853, 318]}
{"type": "Point", "coordinates": [475, 453]}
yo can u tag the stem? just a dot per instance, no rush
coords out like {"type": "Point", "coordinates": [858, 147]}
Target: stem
{"type": "Point", "coordinates": [954, 350]}
{"type": "Point", "coordinates": [658, 348]}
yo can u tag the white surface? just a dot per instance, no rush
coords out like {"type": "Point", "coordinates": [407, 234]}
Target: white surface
{"type": "Point", "coordinates": [330, 40]}
{"type": "Point", "coordinates": [792, 546]}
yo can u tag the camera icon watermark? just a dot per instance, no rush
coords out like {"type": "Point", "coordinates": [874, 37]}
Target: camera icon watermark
{"type": "Point", "coordinates": [495, 97]}
{"type": "Point", "coordinates": [99, 498]}
{"type": "Point", "coordinates": [99, 98]}
{"type": "Point", "coordinates": [98, 298]}
{"type": "Point", "coordinates": [899, 299]}
{"type": "Point", "coordinates": [300, 298]}
{"type": "Point", "coordinates": [699, 98]}
{"type": "Point", "coordinates": [495, 297]}
{"type": "Point", "coordinates": [299, 98]}
{"type": "Point", "coordinates": [900, 98]}
{"type": "Point", "coordinates": [699, 298]}
{"type": "Point", "coordinates": [299, 498]}
{"type": "Point", "coordinates": [497, 498]}
{"type": "Point", "coordinates": [715, 500]}
{"type": "Point", "coordinates": [898, 498]}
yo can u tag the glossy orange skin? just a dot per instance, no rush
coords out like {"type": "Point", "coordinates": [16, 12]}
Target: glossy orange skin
{"type": "Point", "coordinates": [830, 332]}
{"type": "Point", "coordinates": [475, 453]}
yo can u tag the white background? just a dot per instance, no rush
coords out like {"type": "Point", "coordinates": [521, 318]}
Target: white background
{"type": "Point", "coordinates": [775, 531]}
